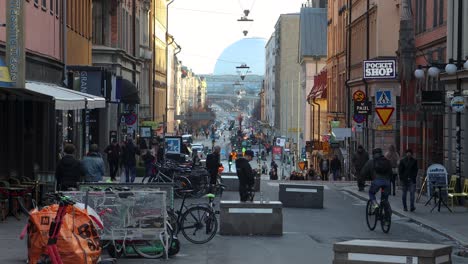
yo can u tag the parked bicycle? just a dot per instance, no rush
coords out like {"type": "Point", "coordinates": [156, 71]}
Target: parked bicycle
{"type": "Point", "coordinates": [382, 213]}
{"type": "Point", "coordinates": [198, 223]}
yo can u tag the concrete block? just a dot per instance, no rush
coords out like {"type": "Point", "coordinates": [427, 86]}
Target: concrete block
{"type": "Point", "coordinates": [376, 251]}
{"type": "Point", "coordinates": [251, 218]}
{"type": "Point", "coordinates": [232, 182]}
{"type": "Point", "coordinates": [301, 195]}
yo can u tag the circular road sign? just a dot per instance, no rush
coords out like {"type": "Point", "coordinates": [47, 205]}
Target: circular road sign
{"type": "Point", "coordinates": [130, 119]}
{"type": "Point", "coordinates": [359, 96]}
{"type": "Point", "coordinates": [359, 118]}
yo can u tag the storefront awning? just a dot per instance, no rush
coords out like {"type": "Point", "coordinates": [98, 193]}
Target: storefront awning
{"type": "Point", "coordinates": [129, 93]}
{"type": "Point", "coordinates": [66, 99]}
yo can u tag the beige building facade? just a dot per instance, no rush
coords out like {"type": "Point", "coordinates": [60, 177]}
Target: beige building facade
{"type": "Point", "coordinates": [288, 91]}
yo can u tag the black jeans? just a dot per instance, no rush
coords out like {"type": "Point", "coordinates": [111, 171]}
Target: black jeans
{"type": "Point", "coordinates": [411, 187]}
{"type": "Point", "coordinates": [113, 167]}
{"type": "Point", "coordinates": [244, 190]}
{"type": "Point", "coordinates": [324, 175]}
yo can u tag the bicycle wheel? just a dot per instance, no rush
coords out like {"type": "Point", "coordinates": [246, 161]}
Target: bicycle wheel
{"type": "Point", "coordinates": [152, 249]}
{"type": "Point", "coordinates": [386, 216]}
{"type": "Point", "coordinates": [371, 216]}
{"type": "Point", "coordinates": [199, 224]}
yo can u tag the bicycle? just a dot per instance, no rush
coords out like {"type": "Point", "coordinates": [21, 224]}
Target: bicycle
{"type": "Point", "coordinates": [382, 213]}
{"type": "Point", "coordinates": [196, 220]}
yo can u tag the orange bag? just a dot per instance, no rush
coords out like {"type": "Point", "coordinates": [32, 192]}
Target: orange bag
{"type": "Point", "coordinates": [77, 243]}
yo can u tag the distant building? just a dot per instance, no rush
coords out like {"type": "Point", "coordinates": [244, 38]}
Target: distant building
{"type": "Point", "coordinates": [288, 113]}
{"type": "Point", "coordinates": [270, 71]}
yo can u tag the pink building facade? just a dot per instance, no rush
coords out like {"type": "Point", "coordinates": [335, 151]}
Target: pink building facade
{"type": "Point", "coordinates": [43, 39]}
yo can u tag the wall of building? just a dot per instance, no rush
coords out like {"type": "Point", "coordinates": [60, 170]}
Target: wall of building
{"type": "Point", "coordinates": [288, 82]}
{"type": "Point", "coordinates": [270, 49]}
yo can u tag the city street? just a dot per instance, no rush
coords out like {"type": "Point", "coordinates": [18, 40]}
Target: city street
{"type": "Point", "coordinates": [308, 234]}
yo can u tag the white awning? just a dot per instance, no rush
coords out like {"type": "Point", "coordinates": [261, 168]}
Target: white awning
{"type": "Point", "coordinates": [66, 99]}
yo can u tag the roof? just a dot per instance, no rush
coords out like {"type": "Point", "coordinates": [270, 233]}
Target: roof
{"type": "Point", "coordinates": [313, 32]}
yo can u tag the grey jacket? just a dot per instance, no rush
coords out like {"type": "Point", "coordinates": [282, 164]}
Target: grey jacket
{"type": "Point", "coordinates": [93, 165]}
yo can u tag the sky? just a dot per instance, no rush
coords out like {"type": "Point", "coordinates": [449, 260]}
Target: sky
{"type": "Point", "coordinates": [204, 28]}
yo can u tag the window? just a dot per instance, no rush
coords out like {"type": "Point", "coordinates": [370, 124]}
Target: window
{"type": "Point", "coordinates": [441, 12]}
{"type": "Point", "coordinates": [51, 7]}
{"type": "Point", "coordinates": [57, 8]}
{"type": "Point", "coordinates": [36, 3]}
{"type": "Point", "coordinates": [434, 19]}
{"type": "Point", "coordinates": [44, 4]}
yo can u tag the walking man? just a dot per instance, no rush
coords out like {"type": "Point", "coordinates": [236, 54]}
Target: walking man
{"type": "Point", "coordinates": [93, 165]}
{"type": "Point", "coordinates": [129, 160]}
{"type": "Point", "coordinates": [212, 165]}
{"type": "Point", "coordinates": [394, 158]}
{"type": "Point", "coordinates": [335, 166]}
{"type": "Point", "coordinates": [408, 171]}
{"type": "Point", "coordinates": [359, 160]}
{"type": "Point", "coordinates": [113, 154]}
{"type": "Point", "coordinates": [69, 170]}
{"type": "Point", "coordinates": [324, 168]}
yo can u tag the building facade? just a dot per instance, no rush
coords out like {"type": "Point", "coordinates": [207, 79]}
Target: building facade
{"type": "Point", "coordinates": [373, 35]}
{"type": "Point", "coordinates": [313, 58]}
{"type": "Point", "coordinates": [288, 116]}
{"type": "Point", "coordinates": [270, 71]}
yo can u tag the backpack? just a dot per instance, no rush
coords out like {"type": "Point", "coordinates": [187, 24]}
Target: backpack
{"type": "Point", "coordinates": [382, 165]}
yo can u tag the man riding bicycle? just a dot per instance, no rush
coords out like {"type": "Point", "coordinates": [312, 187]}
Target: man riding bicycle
{"type": "Point", "coordinates": [245, 175]}
{"type": "Point", "coordinates": [379, 169]}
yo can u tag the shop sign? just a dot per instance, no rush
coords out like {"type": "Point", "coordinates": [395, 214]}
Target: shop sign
{"type": "Point", "coordinates": [384, 127]}
{"type": "Point", "coordinates": [379, 69]}
{"type": "Point", "coordinates": [458, 104]}
{"type": "Point", "coordinates": [363, 108]}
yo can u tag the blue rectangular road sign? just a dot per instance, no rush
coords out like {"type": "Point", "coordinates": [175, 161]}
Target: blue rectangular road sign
{"type": "Point", "coordinates": [383, 98]}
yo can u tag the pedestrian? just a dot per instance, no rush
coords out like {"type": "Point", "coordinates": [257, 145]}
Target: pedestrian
{"type": "Point", "coordinates": [148, 159]}
{"type": "Point", "coordinates": [273, 174]}
{"type": "Point", "coordinates": [93, 165]}
{"type": "Point", "coordinates": [129, 153]}
{"type": "Point", "coordinates": [358, 160]}
{"type": "Point", "coordinates": [245, 175]}
{"type": "Point", "coordinates": [379, 170]}
{"type": "Point", "coordinates": [408, 171]}
{"type": "Point", "coordinates": [212, 165]}
{"type": "Point", "coordinates": [311, 173]}
{"type": "Point", "coordinates": [113, 152]}
{"type": "Point", "coordinates": [394, 158]}
{"type": "Point", "coordinates": [69, 170]}
{"type": "Point", "coordinates": [335, 166]}
{"type": "Point", "coordinates": [324, 168]}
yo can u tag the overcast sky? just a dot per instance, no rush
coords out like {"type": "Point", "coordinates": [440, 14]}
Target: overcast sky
{"type": "Point", "coordinates": [204, 28]}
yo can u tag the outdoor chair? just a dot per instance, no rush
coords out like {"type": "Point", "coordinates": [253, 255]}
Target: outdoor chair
{"type": "Point", "coordinates": [463, 194]}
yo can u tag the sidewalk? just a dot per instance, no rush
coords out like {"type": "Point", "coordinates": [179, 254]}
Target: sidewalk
{"type": "Point", "coordinates": [453, 225]}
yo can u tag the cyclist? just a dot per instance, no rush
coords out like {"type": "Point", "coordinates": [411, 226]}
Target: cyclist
{"type": "Point", "coordinates": [245, 175]}
{"type": "Point", "coordinates": [379, 169]}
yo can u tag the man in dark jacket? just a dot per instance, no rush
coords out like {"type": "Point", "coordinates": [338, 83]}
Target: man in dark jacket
{"type": "Point", "coordinates": [245, 175]}
{"type": "Point", "coordinates": [379, 169]}
{"type": "Point", "coordinates": [408, 171]}
{"type": "Point", "coordinates": [69, 170]}
{"type": "Point", "coordinates": [359, 160]}
{"type": "Point", "coordinates": [113, 155]}
{"type": "Point", "coordinates": [213, 164]}
{"type": "Point", "coordinates": [129, 160]}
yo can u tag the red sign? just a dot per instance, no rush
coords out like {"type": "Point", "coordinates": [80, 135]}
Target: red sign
{"type": "Point", "coordinates": [384, 113]}
{"type": "Point", "coordinates": [130, 119]}
{"type": "Point", "coordinates": [359, 96]}
{"type": "Point", "coordinates": [276, 150]}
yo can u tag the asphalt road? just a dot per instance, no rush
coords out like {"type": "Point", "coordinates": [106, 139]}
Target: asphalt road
{"type": "Point", "coordinates": [309, 234]}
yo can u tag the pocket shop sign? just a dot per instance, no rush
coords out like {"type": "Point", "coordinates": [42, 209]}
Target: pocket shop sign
{"type": "Point", "coordinates": [379, 69]}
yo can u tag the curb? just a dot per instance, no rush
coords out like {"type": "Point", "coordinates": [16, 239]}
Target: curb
{"type": "Point", "coordinates": [435, 228]}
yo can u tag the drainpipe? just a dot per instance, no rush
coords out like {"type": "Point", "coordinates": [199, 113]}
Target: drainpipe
{"type": "Point", "coordinates": [64, 42]}
{"type": "Point", "coordinates": [134, 40]}
{"type": "Point", "coordinates": [348, 65]}
{"type": "Point", "coordinates": [318, 115]}
{"type": "Point", "coordinates": [167, 59]}
{"type": "Point", "coordinates": [365, 82]}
